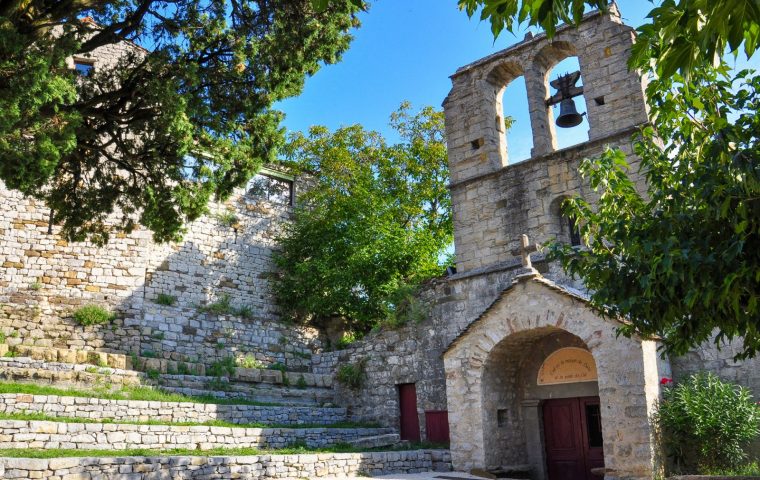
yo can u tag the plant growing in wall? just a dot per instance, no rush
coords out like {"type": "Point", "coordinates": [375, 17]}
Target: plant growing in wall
{"type": "Point", "coordinates": [228, 218]}
{"type": "Point", "coordinates": [93, 315]}
{"type": "Point", "coordinates": [705, 424]}
{"type": "Point", "coordinates": [166, 299]}
{"type": "Point", "coordinates": [352, 375]}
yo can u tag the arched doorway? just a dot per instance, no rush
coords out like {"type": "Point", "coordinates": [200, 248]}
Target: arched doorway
{"type": "Point", "coordinates": [496, 401]}
{"type": "Point", "coordinates": [541, 388]}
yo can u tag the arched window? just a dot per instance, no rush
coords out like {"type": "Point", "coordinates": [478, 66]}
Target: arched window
{"type": "Point", "coordinates": [567, 137]}
{"type": "Point", "coordinates": [565, 227]}
{"type": "Point", "coordinates": [516, 119]}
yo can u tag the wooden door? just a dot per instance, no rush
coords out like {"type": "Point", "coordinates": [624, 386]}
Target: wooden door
{"type": "Point", "coordinates": [410, 422]}
{"type": "Point", "coordinates": [573, 438]}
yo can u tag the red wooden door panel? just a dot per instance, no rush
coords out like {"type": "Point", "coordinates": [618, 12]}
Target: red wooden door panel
{"type": "Point", "coordinates": [573, 438]}
{"type": "Point", "coordinates": [563, 438]}
{"type": "Point", "coordinates": [410, 422]}
{"type": "Point", "coordinates": [437, 426]}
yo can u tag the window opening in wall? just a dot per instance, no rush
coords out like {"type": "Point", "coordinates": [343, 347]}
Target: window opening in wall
{"type": "Point", "coordinates": [271, 186]}
{"type": "Point", "coordinates": [515, 122]}
{"type": "Point", "coordinates": [567, 137]}
{"type": "Point", "coordinates": [575, 233]}
{"type": "Point", "coordinates": [84, 68]}
{"type": "Point", "coordinates": [501, 417]}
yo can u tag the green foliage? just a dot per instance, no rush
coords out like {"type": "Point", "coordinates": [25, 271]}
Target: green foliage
{"type": "Point", "coordinates": [301, 383]}
{"type": "Point", "coordinates": [345, 341]}
{"type": "Point", "coordinates": [37, 285]}
{"type": "Point", "coordinates": [244, 311]}
{"type": "Point", "coordinates": [405, 306]}
{"type": "Point", "coordinates": [682, 34]}
{"type": "Point", "coordinates": [684, 259]}
{"type": "Point", "coordinates": [93, 315]}
{"type": "Point", "coordinates": [228, 218]}
{"type": "Point", "coordinates": [149, 354]}
{"type": "Point", "coordinates": [166, 299]}
{"type": "Point", "coordinates": [352, 375]}
{"type": "Point", "coordinates": [705, 423]}
{"type": "Point", "coordinates": [2, 337]}
{"type": "Point", "coordinates": [161, 132]}
{"type": "Point", "coordinates": [222, 306]}
{"type": "Point", "coordinates": [547, 14]}
{"type": "Point", "coordinates": [223, 368]}
{"type": "Point", "coordinates": [153, 374]}
{"type": "Point", "coordinates": [249, 361]}
{"type": "Point", "coordinates": [751, 469]}
{"type": "Point", "coordinates": [377, 218]}
{"type": "Point", "coordinates": [183, 369]}
{"type": "Point", "coordinates": [158, 335]}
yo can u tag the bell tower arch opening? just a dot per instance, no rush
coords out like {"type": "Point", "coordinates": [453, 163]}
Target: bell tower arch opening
{"type": "Point", "coordinates": [572, 134]}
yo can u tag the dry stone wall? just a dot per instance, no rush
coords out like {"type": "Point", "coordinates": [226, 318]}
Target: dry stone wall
{"type": "Point", "coordinates": [258, 466]}
{"type": "Point", "coordinates": [172, 412]}
{"type": "Point", "coordinates": [46, 278]}
{"type": "Point", "coordinates": [90, 436]}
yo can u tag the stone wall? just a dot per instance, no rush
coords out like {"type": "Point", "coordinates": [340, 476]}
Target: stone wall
{"type": "Point", "coordinates": [45, 279]}
{"type": "Point", "coordinates": [116, 436]}
{"type": "Point", "coordinates": [259, 466]}
{"type": "Point", "coordinates": [173, 412]}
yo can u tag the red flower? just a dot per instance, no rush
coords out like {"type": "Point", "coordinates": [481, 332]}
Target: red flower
{"type": "Point", "coordinates": [666, 381]}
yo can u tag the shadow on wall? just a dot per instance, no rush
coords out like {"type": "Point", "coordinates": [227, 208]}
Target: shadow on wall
{"type": "Point", "coordinates": [157, 290]}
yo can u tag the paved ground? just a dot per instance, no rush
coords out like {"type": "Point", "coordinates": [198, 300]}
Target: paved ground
{"type": "Point", "coordinates": [432, 476]}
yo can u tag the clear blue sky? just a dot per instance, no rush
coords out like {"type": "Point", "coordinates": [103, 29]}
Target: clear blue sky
{"type": "Point", "coordinates": [406, 50]}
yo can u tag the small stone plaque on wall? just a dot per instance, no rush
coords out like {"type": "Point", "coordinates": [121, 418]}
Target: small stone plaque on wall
{"type": "Point", "coordinates": [567, 365]}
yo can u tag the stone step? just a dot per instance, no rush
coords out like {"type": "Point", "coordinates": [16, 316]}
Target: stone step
{"type": "Point", "coordinates": [223, 389]}
{"type": "Point", "coordinates": [26, 369]}
{"type": "Point", "coordinates": [23, 434]}
{"type": "Point", "coordinates": [376, 441]}
{"type": "Point", "coordinates": [137, 410]}
{"type": "Point", "coordinates": [66, 374]}
{"type": "Point", "coordinates": [262, 467]}
{"type": "Point", "coordinates": [160, 365]}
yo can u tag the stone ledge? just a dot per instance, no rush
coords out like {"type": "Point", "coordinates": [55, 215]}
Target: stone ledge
{"type": "Point", "coordinates": [23, 434]}
{"type": "Point", "coordinates": [140, 410]}
{"type": "Point", "coordinates": [263, 467]}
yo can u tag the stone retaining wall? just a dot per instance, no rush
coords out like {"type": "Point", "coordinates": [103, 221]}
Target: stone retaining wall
{"type": "Point", "coordinates": [133, 410]}
{"type": "Point", "coordinates": [45, 279]}
{"type": "Point", "coordinates": [259, 466]}
{"type": "Point", "coordinates": [89, 436]}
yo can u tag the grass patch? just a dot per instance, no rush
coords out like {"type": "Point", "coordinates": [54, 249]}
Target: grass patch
{"type": "Point", "coordinates": [126, 393]}
{"type": "Point", "coordinates": [142, 452]}
{"type": "Point", "coordinates": [211, 423]}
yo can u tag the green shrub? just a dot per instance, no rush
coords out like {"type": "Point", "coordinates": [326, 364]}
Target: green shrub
{"type": "Point", "coordinates": [93, 315]}
{"type": "Point", "coordinates": [223, 368]}
{"type": "Point", "coordinates": [2, 337]}
{"type": "Point", "coordinates": [249, 361]}
{"type": "Point", "coordinates": [245, 312]}
{"type": "Point", "coordinates": [346, 340]}
{"type": "Point", "coordinates": [352, 375]}
{"type": "Point", "coordinates": [223, 306]}
{"type": "Point", "coordinates": [705, 423]}
{"type": "Point", "coordinates": [301, 383]}
{"type": "Point", "coordinates": [149, 354]}
{"type": "Point", "coordinates": [182, 369]}
{"type": "Point", "coordinates": [227, 218]}
{"type": "Point", "coordinates": [166, 299]}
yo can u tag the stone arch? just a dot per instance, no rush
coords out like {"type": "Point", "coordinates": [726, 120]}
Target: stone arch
{"type": "Point", "coordinates": [512, 396]}
{"type": "Point", "coordinates": [530, 311]}
{"type": "Point", "coordinates": [497, 80]}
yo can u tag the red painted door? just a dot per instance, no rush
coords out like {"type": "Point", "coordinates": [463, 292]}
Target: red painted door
{"type": "Point", "coordinates": [573, 438]}
{"type": "Point", "coordinates": [437, 426]}
{"type": "Point", "coordinates": [410, 422]}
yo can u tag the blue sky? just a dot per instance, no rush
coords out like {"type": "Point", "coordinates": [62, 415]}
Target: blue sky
{"type": "Point", "coordinates": [406, 50]}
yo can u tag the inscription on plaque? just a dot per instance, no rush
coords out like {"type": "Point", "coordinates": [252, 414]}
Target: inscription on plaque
{"type": "Point", "coordinates": [567, 365]}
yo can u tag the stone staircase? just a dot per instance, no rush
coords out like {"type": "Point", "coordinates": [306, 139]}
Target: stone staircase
{"type": "Point", "coordinates": [197, 438]}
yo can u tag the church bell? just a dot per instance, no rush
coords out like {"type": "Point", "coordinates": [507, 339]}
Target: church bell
{"type": "Point", "coordinates": [566, 90]}
{"type": "Point", "coordinates": [568, 114]}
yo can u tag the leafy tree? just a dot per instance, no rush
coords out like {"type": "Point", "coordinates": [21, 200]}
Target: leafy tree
{"type": "Point", "coordinates": [684, 259]}
{"type": "Point", "coordinates": [160, 133]}
{"type": "Point", "coordinates": [375, 220]}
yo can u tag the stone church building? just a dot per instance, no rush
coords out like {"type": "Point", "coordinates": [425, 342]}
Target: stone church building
{"type": "Point", "coordinates": [511, 367]}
